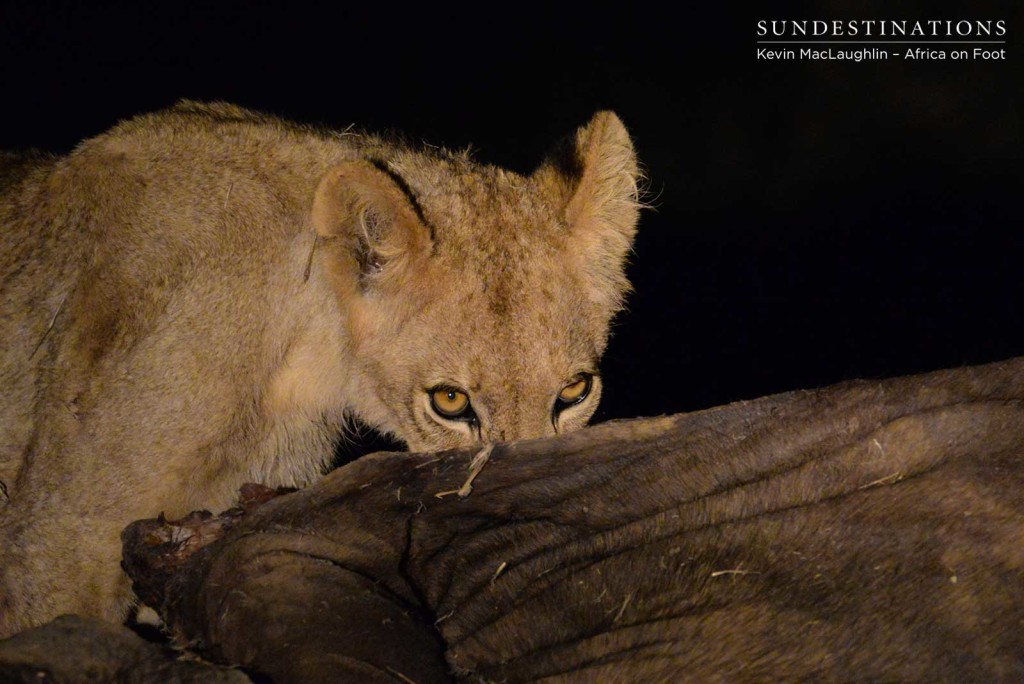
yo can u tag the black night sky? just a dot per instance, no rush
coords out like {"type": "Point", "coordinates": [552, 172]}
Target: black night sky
{"type": "Point", "coordinates": [814, 221]}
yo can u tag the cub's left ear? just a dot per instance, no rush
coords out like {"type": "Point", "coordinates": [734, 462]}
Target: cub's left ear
{"type": "Point", "coordinates": [595, 178]}
{"type": "Point", "coordinates": [364, 210]}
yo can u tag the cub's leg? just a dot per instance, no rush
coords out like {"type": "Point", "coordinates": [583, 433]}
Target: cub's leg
{"type": "Point", "coordinates": [157, 426]}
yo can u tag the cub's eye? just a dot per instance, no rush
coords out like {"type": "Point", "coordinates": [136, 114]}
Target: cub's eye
{"type": "Point", "coordinates": [450, 403]}
{"type": "Point", "coordinates": [576, 391]}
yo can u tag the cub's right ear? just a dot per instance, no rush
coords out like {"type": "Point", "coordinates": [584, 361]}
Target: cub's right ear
{"type": "Point", "coordinates": [594, 176]}
{"type": "Point", "coordinates": [367, 207]}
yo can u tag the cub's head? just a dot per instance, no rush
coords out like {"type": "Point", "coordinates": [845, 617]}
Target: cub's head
{"type": "Point", "coordinates": [477, 301]}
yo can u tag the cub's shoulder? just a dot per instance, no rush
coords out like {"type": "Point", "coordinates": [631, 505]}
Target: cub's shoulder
{"type": "Point", "coordinates": [193, 133]}
{"type": "Point", "coordinates": [15, 167]}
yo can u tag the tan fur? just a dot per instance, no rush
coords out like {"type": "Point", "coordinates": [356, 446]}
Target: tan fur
{"type": "Point", "coordinates": [199, 297]}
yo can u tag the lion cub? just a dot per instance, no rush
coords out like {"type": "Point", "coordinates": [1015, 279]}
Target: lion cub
{"type": "Point", "coordinates": [199, 297]}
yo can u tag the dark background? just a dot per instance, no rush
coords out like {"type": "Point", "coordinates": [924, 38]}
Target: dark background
{"type": "Point", "coordinates": [814, 222]}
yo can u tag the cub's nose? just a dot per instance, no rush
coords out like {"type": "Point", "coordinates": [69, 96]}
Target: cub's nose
{"type": "Point", "coordinates": [531, 429]}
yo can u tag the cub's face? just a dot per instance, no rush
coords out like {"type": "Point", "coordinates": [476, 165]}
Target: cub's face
{"type": "Point", "coordinates": [499, 340]}
{"type": "Point", "coordinates": [478, 301]}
